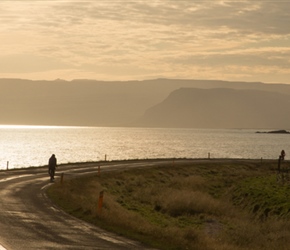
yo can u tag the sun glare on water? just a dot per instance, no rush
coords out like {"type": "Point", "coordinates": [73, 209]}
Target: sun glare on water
{"type": "Point", "coordinates": [30, 127]}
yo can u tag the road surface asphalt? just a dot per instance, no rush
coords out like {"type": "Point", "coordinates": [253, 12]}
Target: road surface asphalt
{"type": "Point", "coordinates": [29, 220]}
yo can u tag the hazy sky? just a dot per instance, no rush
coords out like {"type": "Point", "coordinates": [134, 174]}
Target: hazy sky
{"type": "Point", "coordinates": [142, 39]}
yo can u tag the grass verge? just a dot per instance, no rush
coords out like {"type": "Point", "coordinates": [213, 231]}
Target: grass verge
{"type": "Point", "coordinates": [210, 205]}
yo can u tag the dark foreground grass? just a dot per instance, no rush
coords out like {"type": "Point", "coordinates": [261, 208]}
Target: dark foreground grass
{"type": "Point", "coordinates": [211, 205]}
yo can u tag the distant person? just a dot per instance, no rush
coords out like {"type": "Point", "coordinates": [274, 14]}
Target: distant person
{"type": "Point", "coordinates": [282, 154]}
{"type": "Point", "coordinates": [51, 167]}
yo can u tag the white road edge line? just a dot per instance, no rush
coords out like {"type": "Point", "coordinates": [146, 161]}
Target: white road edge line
{"type": "Point", "coordinates": [14, 177]}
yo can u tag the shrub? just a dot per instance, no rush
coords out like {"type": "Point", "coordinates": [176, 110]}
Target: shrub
{"type": "Point", "coordinates": [187, 202]}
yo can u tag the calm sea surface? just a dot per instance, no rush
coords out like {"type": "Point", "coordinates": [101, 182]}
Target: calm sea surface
{"type": "Point", "coordinates": [32, 146]}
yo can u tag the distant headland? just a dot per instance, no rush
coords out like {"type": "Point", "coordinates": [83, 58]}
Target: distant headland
{"type": "Point", "coordinates": [282, 131]}
{"type": "Point", "coordinates": [160, 103]}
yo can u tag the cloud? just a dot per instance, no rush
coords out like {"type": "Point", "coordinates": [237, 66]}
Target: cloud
{"type": "Point", "coordinates": [22, 63]}
{"type": "Point", "coordinates": [147, 38]}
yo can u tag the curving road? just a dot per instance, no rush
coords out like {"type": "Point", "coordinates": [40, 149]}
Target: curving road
{"type": "Point", "coordinates": [28, 220]}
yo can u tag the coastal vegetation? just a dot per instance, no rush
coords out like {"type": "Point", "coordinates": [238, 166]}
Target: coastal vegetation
{"type": "Point", "coordinates": [229, 205]}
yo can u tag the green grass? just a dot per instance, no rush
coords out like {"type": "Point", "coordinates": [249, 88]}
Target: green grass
{"type": "Point", "coordinates": [264, 197]}
{"type": "Point", "coordinates": [233, 205]}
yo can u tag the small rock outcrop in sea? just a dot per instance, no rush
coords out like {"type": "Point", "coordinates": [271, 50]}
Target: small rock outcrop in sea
{"type": "Point", "coordinates": [282, 131]}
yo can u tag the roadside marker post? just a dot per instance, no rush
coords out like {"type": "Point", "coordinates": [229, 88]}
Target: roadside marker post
{"type": "Point", "coordinates": [279, 164]}
{"type": "Point", "coordinates": [100, 203]}
{"type": "Point", "coordinates": [7, 165]}
{"type": "Point", "coordinates": [61, 178]}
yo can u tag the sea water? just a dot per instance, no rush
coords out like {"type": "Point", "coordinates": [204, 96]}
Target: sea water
{"type": "Point", "coordinates": [26, 146]}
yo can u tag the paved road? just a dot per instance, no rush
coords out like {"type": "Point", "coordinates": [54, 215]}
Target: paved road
{"type": "Point", "coordinates": [28, 220]}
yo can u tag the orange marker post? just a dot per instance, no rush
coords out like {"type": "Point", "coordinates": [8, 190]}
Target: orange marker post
{"type": "Point", "coordinates": [100, 203]}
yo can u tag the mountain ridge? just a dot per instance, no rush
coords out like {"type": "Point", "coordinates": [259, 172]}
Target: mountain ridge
{"type": "Point", "coordinates": [220, 108]}
{"type": "Point", "coordinates": [97, 103]}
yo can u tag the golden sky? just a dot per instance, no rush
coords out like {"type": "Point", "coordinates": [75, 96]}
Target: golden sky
{"type": "Point", "coordinates": [137, 39]}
